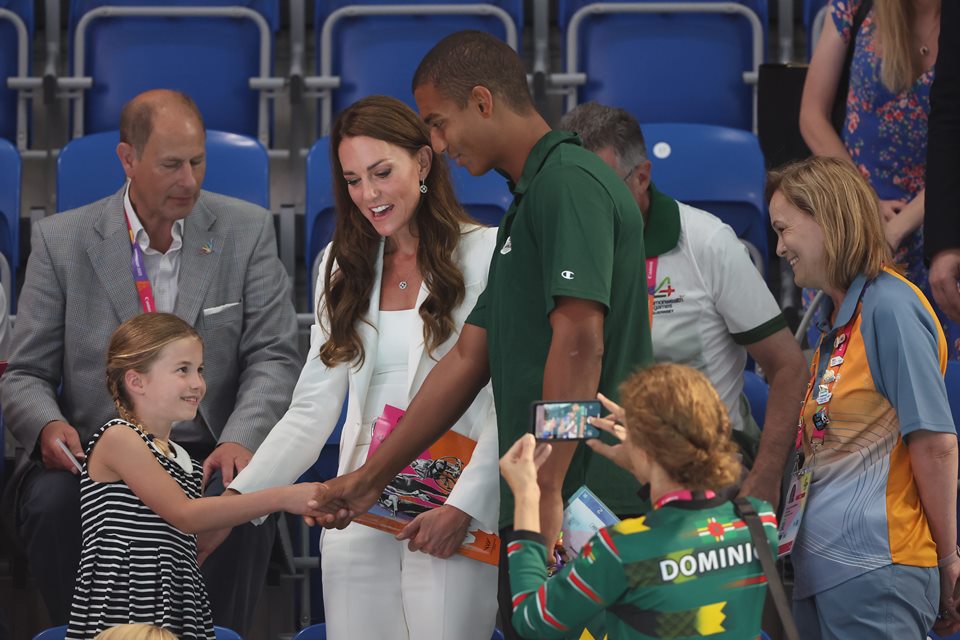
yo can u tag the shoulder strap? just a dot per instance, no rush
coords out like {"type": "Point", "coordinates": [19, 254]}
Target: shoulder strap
{"type": "Point", "coordinates": [839, 112]}
{"type": "Point", "coordinates": [745, 510]}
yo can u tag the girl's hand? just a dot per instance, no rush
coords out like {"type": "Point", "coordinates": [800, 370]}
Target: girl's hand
{"type": "Point", "coordinates": [438, 532]}
{"type": "Point", "coordinates": [300, 495]}
{"type": "Point", "coordinates": [520, 463]}
{"type": "Point", "coordinates": [890, 209]}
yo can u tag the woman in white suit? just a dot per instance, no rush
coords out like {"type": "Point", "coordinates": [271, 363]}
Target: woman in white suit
{"type": "Point", "coordinates": [404, 269]}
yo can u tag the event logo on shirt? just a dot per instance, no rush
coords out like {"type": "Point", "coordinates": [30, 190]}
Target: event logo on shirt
{"type": "Point", "coordinates": [665, 297]}
{"type": "Point", "coordinates": [566, 275]}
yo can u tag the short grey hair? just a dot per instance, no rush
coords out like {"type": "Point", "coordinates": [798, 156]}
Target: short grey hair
{"type": "Point", "coordinates": [600, 126]}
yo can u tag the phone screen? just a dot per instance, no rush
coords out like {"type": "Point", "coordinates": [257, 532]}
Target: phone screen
{"type": "Point", "coordinates": [566, 420]}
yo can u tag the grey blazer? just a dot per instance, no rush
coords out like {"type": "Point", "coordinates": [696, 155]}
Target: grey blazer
{"type": "Point", "coordinates": [79, 288]}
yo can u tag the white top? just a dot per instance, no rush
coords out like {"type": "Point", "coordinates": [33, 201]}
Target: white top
{"type": "Point", "coordinates": [709, 297]}
{"type": "Point", "coordinates": [163, 269]}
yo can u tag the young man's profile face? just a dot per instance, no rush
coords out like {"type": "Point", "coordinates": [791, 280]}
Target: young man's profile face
{"type": "Point", "coordinates": [454, 131]}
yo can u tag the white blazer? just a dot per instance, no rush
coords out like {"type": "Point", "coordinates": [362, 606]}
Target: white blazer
{"type": "Point", "coordinates": [294, 444]}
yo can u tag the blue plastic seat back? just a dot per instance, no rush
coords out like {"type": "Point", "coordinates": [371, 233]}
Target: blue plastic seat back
{"type": "Point", "coordinates": [211, 59]}
{"type": "Point", "coordinates": [10, 171]}
{"type": "Point", "coordinates": [88, 169]}
{"type": "Point", "coordinates": [54, 633]}
{"type": "Point", "coordinates": [485, 197]}
{"type": "Point", "coordinates": [952, 380]}
{"type": "Point", "coordinates": [222, 633]}
{"type": "Point", "coordinates": [379, 54]}
{"type": "Point", "coordinates": [668, 67]}
{"type": "Point", "coordinates": [810, 10]}
{"type": "Point", "coordinates": [717, 169]}
{"type": "Point", "coordinates": [313, 632]}
{"type": "Point", "coordinates": [8, 62]}
{"type": "Point", "coordinates": [756, 389]}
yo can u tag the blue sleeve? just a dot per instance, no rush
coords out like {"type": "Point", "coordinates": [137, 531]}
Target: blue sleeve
{"type": "Point", "coordinates": [842, 13]}
{"type": "Point", "coordinates": [903, 341]}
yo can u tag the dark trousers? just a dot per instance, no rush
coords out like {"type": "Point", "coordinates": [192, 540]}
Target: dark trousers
{"type": "Point", "coordinates": [504, 595]}
{"type": "Point", "coordinates": [48, 525]}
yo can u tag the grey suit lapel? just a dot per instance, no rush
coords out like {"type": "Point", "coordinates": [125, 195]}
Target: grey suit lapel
{"type": "Point", "coordinates": [111, 258]}
{"type": "Point", "coordinates": [199, 260]}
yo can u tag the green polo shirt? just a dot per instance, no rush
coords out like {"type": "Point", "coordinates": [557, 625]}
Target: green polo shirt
{"type": "Point", "coordinates": [571, 232]}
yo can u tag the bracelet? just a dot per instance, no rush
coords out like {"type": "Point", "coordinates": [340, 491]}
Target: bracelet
{"type": "Point", "coordinates": [949, 558]}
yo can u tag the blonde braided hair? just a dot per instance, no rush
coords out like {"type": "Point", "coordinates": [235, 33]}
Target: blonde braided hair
{"type": "Point", "coordinates": [135, 345]}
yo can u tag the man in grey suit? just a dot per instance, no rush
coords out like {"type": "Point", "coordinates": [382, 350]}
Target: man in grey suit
{"type": "Point", "coordinates": [210, 259]}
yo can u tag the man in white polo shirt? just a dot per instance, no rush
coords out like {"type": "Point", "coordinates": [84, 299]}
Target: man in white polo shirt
{"type": "Point", "coordinates": [711, 307]}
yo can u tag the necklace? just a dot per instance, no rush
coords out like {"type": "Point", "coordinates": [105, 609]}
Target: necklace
{"type": "Point", "coordinates": [924, 49]}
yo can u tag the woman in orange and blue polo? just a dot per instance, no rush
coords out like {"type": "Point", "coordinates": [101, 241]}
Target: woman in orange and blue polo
{"type": "Point", "coordinates": [875, 430]}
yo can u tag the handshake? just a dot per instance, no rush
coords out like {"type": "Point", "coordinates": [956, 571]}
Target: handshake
{"type": "Point", "coordinates": [334, 503]}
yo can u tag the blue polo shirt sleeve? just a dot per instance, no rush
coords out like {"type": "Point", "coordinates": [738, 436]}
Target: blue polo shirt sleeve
{"type": "Point", "coordinates": [574, 221]}
{"type": "Point", "coordinates": [906, 352]}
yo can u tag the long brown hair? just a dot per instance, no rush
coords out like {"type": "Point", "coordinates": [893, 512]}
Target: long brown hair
{"type": "Point", "coordinates": [135, 345]}
{"type": "Point", "coordinates": [674, 413]}
{"type": "Point", "coordinates": [347, 290]}
{"type": "Point", "coordinates": [900, 60]}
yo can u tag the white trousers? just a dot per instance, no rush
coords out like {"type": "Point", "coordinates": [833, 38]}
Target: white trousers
{"type": "Point", "coordinates": [374, 588]}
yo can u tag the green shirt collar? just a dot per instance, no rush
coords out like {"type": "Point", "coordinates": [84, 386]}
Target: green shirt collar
{"type": "Point", "coordinates": [661, 232]}
{"type": "Point", "coordinates": [538, 155]}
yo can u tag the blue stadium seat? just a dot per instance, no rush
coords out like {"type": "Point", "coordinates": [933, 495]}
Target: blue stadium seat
{"type": "Point", "coordinates": [666, 67]}
{"type": "Point", "coordinates": [756, 389]}
{"type": "Point", "coordinates": [378, 54]}
{"type": "Point", "coordinates": [9, 218]}
{"type": "Point", "coordinates": [88, 169]}
{"type": "Point", "coordinates": [210, 58]}
{"type": "Point", "coordinates": [222, 633]}
{"type": "Point", "coordinates": [485, 197]}
{"type": "Point", "coordinates": [59, 633]}
{"type": "Point", "coordinates": [313, 632]}
{"type": "Point", "coordinates": [811, 10]}
{"type": "Point", "coordinates": [13, 12]}
{"type": "Point", "coordinates": [717, 169]}
{"type": "Point", "coordinates": [952, 380]}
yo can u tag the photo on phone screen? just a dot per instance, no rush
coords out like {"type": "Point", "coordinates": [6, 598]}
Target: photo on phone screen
{"type": "Point", "coordinates": [565, 420]}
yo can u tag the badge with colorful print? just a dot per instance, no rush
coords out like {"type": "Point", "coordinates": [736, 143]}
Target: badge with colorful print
{"type": "Point", "coordinates": [829, 376]}
{"type": "Point", "coordinates": [821, 419]}
{"type": "Point", "coordinates": [840, 339]}
{"type": "Point", "coordinates": [836, 361]}
{"type": "Point", "coordinates": [824, 396]}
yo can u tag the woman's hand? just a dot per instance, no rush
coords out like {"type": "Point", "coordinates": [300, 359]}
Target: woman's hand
{"type": "Point", "coordinates": [612, 423]}
{"type": "Point", "coordinates": [438, 532]}
{"type": "Point", "coordinates": [520, 463]}
{"type": "Point", "coordinates": [890, 209]}
{"type": "Point", "coordinates": [948, 618]}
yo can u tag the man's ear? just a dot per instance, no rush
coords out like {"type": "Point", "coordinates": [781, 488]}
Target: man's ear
{"type": "Point", "coordinates": [642, 175]}
{"type": "Point", "coordinates": [482, 99]}
{"type": "Point", "coordinates": [128, 156]}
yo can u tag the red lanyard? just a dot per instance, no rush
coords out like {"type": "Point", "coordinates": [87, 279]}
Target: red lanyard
{"type": "Point", "coordinates": [681, 494]}
{"type": "Point", "coordinates": [651, 283]}
{"type": "Point", "coordinates": [139, 269]}
{"type": "Point", "coordinates": [825, 387]}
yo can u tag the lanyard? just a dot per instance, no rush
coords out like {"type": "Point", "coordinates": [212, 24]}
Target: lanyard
{"type": "Point", "coordinates": [139, 269]}
{"type": "Point", "coordinates": [825, 388]}
{"type": "Point", "coordinates": [651, 284]}
{"type": "Point", "coordinates": [681, 494]}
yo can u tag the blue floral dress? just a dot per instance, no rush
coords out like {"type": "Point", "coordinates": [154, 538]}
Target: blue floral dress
{"type": "Point", "coordinates": [886, 135]}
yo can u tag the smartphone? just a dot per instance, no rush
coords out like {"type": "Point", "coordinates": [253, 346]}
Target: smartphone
{"type": "Point", "coordinates": [565, 420]}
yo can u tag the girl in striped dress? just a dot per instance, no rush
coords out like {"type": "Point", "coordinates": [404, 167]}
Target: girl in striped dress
{"type": "Point", "coordinates": [140, 493]}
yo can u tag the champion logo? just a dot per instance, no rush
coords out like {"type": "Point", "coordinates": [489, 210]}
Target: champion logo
{"type": "Point", "coordinates": [507, 247]}
{"type": "Point", "coordinates": [566, 275]}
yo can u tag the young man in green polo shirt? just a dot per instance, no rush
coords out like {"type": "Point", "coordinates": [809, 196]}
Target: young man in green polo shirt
{"type": "Point", "coordinates": [565, 310]}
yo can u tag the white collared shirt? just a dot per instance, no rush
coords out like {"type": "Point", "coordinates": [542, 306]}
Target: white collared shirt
{"type": "Point", "coordinates": [163, 269]}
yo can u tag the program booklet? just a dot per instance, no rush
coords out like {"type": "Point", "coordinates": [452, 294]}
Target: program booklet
{"type": "Point", "coordinates": [584, 516]}
{"type": "Point", "coordinates": [425, 484]}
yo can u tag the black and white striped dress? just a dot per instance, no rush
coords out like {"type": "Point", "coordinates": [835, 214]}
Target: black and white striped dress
{"type": "Point", "coordinates": [134, 566]}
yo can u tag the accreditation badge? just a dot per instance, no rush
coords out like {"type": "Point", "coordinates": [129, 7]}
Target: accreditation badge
{"type": "Point", "coordinates": [793, 511]}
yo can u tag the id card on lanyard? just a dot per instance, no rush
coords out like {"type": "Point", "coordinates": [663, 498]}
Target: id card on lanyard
{"type": "Point", "coordinates": [139, 270]}
{"type": "Point", "coordinates": [802, 477]}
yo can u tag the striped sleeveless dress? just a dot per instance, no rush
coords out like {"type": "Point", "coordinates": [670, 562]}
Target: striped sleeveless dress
{"type": "Point", "coordinates": [134, 566]}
